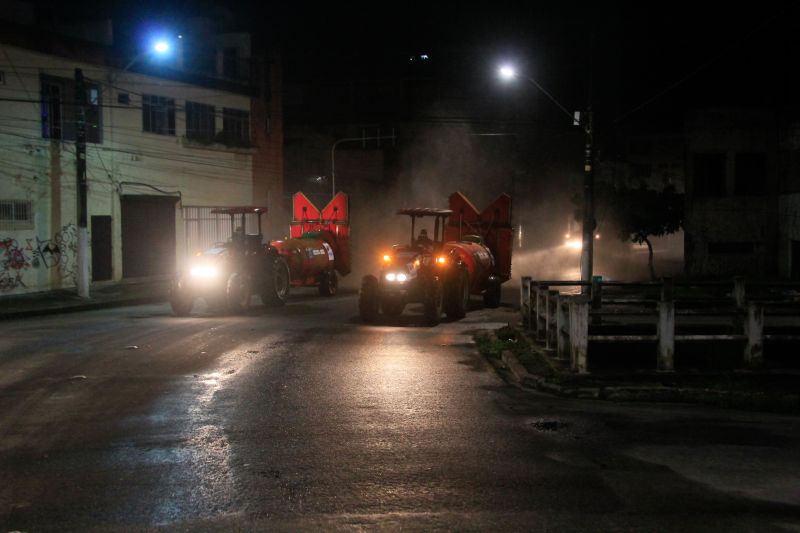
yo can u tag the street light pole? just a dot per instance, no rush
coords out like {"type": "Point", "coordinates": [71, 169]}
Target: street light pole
{"type": "Point", "coordinates": [81, 188]}
{"type": "Point", "coordinates": [587, 247]}
{"type": "Point", "coordinates": [507, 72]}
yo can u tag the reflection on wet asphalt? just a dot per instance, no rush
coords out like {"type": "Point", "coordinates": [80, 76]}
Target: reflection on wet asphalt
{"type": "Point", "coordinates": [304, 418]}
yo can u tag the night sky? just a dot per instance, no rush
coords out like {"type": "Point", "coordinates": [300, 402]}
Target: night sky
{"type": "Point", "coordinates": [635, 61]}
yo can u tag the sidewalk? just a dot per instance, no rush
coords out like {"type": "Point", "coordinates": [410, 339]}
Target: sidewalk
{"type": "Point", "coordinates": [102, 295]}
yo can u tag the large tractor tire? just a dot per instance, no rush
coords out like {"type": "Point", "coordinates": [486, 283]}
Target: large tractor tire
{"type": "Point", "coordinates": [369, 299]}
{"type": "Point", "coordinates": [275, 289]}
{"type": "Point", "coordinates": [392, 305]}
{"type": "Point", "coordinates": [433, 302]}
{"type": "Point", "coordinates": [328, 283]}
{"type": "Point", "coordinates": [491, 296]}
{"type": "Point", "coordinates": [180, 298]}
{"type": "Point", "coordinates": [456, 296]}
{"type": "Point", "coordinates": [238, 293]}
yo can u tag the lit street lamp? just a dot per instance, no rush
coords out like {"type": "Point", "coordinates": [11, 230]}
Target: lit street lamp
{"type": "Point", "coordinates": [508, 73]}
{"type": "Point", "coordinates": [158, 48]}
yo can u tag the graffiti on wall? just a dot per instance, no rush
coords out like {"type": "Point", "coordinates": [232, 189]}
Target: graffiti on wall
{"type": "Point", "coordinates": [58, 252]}
{"type": "Point", "coordinates": [13, 264]}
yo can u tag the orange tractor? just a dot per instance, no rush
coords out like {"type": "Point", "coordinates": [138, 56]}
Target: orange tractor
{"type": "Point", "coordinates": [470, 254]}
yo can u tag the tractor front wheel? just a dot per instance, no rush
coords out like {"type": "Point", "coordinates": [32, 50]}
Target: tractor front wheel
{"type": "Point", "coordinates": [275, 289]}
{"type": "Point", "coordinates": [329, 283]}
{"type": "Point", "coordinates": [180, 298]}
{"type": "Point", "coordinates": [237, 293]}
{"type": "Point", "coordinates": [457, 296]}
{"type": "Point", "coordinates": [369, 299]}
{"type": "Point", "coordinates": [433, 302]}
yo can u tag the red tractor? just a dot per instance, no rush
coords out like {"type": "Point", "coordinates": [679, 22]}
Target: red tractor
{"type": "Point", "coordinates": [228, 274]}
{"type": "Point", "coordinates": [470, 253]}
{"type": "Point", "coordinates": [318, 246]}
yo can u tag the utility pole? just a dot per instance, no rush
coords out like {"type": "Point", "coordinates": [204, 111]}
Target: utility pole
{"type": "Point", "coordinates": [81, 189]}
{"type": "Point", "coordinates": [587, 246]}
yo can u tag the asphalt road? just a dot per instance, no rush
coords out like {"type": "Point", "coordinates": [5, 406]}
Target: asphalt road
{"type": "Point", "coordinates": [303, 418]}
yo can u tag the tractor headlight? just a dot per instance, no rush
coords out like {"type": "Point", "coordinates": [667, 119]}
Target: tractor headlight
{"type": "Point", "coordinates": [399, 277]}
{"type": "Point", "coordinates": [203, 271]}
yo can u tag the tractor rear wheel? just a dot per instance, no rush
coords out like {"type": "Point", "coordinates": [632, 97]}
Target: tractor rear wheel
{"type": "Point", "coordinates": [456, 298]}
{"type": "Point", "coordinates": [392, 305]}
{"type": "Point", "coordinates": [328, 283]}
{"type": "Point", "coordinates": [433, 302]}
{"type": "Point", "coordinates": [237, 293]}
{"type": "Point", "coordinates": [369, 299]}
{"type": "Point", "coordinates": [275, 289]}
{"type": "Point", "coordinates": [180, 298]}
{"type": "Point", "coordinates": [491, 297]}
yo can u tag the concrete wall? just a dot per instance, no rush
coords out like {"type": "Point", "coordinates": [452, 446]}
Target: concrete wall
{"type": "Point", "coordinates": [732, 233]}
{"type": "Point", "coordinates": [42, 171]}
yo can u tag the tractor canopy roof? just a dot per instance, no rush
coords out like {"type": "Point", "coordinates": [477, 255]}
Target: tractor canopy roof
{"type": "Point", "coordinates": [239, 210]}
{"type": "Point", "coordinates": [425, 212]}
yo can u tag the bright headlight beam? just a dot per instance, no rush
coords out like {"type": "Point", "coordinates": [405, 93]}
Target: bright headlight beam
{"type": "Point", "coordinates": [203, 272]}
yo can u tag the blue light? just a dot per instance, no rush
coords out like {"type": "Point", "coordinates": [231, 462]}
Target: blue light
{"type": "Point", "coordinates": [161, 47]}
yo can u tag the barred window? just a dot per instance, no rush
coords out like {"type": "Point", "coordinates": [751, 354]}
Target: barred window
{"type": "Point", "coordinates": [200, 124]}
{"type": "Point", "coordinates": [158, 114]}
{"type": "Point", "coordinates": [235, 127]}
{"type": "Point", "coordinates": [16, 214]}
{"type": "Point", "coordinates": [60, 114]}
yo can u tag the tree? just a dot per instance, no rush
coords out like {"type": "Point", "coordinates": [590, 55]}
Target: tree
{"type": "Point", "coordinates": [641, 213]}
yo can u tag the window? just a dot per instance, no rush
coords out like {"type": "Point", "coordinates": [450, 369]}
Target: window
{"type": "Point", "coordinates": [751, 174]}
{"type": "Point", "coordinates": [60, 113]}
{"type": "Point", "coordinates": [16, 214]}
{"type": "Point", "coordinates": [124, 98]}
{"type": "Point", "coordinates": [2, 78]}
{"type": "Point", "coordinates": [158, 114]}
{"type": "Point", "coordinates": [709, 175]}
{"type": "Point", "coordinates": [200, 122]}
{"type": "Point", "coordinates": [235, 127]}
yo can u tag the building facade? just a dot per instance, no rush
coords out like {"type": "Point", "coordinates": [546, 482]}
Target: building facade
{"type": "Point", "coordinates": [733, 195]}
{"type": "Point", "coordinates": [163, 147]}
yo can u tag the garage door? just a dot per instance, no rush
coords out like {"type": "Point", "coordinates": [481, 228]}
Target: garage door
{"type": "Point", "coordinates": [148, 236]}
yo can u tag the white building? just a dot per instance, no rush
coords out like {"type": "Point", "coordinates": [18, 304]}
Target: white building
{"type": "Point", "coordinates": [161, 151]}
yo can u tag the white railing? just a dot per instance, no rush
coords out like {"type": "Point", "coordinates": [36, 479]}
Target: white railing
{"type": "Point", "coordinates": [561, 321]}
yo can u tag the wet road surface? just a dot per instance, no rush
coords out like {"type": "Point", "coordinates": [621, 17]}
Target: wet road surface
{"type": "Point", "coordinates": [304, 418]}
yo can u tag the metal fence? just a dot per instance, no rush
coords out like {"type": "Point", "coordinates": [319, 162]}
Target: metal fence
{"type": "Point", "coordinates": [567, 323]}
{"type": "Point", "coordinates": [202, 229]}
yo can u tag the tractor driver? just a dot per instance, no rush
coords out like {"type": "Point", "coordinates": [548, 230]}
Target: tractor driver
{"type": "Point", "coordinates": [422, 239]}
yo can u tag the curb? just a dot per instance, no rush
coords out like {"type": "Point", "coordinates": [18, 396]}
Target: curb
{"type": "Point", "coordinates": [80, 306]}
{"type": "Point", "coordinates": [759, 401]}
